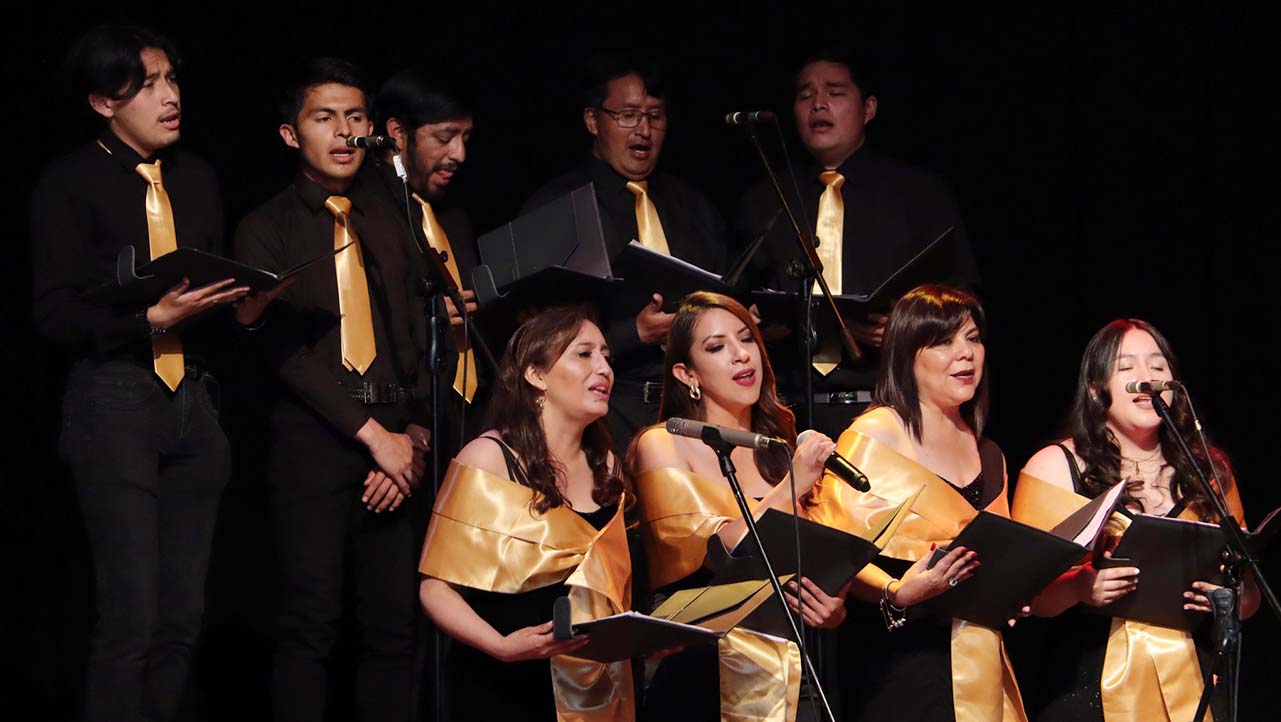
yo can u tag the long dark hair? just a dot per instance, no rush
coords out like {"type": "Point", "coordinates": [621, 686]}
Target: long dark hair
{"type": "Point", "coordinates": [514, 409]}
{"type": "Point", "coordinates": [926, 315]}
{"type": "Point", "coordinates": [1098, 447]}
{"type": "Point", "coordinates": [769, 415]}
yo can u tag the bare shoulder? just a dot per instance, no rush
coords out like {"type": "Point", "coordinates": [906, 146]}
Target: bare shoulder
{"type": "Point", "coordinates": [1051, 466]}
{"type": "Point", "coordinates": [883, 424]}
{"type": "Point", "coordinates": [484, 453]}
{"type": "Point", "coordinates": [655, 449]}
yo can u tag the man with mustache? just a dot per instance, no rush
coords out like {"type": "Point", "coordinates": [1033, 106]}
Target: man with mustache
{"type": "Point", "coordinates": [871, 214]}
{"type": "Point", "coordinates": [625, 111]}
{"type": "Point", "coordinates": [139, 432]}
{"type": "Point", "coordinates": [344, 451]}
{"type": "Point", "coordinates": [430, 119]}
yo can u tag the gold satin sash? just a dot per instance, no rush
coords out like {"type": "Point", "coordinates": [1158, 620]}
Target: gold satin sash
{"type": "Point", "coordinates": [484, 535]}
{"type": "Point", "coordinates": [1149, 672]}
{"type": "Point", "coordinates": [936, 517]}
{"type": "Point", "coordinates": [760, 675]}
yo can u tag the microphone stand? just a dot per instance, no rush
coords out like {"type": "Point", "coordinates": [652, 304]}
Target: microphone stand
{"type": "Point", "coordinates": [1238, 554]}
{"type": "Point", "coordinates": [712, 437]}
{"type": "Point", "coordinates": [807, 267]}
{"type": "Point", "coordinates": [438, 284]}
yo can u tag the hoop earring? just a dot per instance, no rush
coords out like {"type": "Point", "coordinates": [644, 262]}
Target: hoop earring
{"type": "Point", "coordinates": [695, 393]}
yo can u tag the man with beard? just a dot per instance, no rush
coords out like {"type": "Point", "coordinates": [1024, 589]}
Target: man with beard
{"type": "Point", "coordinates": [871, 215]}
{"type": "Point", "coordinates": [139, 429]}
{"type": "Point", "coordinates": [625, 112]}
{"type": "Point", "coordinates": [344, 450]}
{"type": "Point", "coordinates": [431, 122]}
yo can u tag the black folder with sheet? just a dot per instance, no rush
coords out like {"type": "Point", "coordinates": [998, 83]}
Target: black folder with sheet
{"type": "Point", "coordinates": [1018, 561]}
{"type": "Point", "coordinates": [627, 635]}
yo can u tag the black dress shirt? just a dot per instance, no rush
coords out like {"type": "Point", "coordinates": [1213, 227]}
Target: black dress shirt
{"type": "Point", "coordinates": [892, 211]}
{"type": "Point", "coordinates": [695, 232]}
{"type": "Point", "coordinates": [453, 219]}
{"type": "Point", "coordinates": [88, 206]}
{"type": "Point", "coordinates": [301, 333]}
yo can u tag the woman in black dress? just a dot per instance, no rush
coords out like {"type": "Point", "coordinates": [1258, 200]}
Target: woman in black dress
{"type": "Point", "coordinates": [530, 511]}
{"type": "Point", "coordinates": [923, 435]}
{"type": "Point", "coordinates": [1114, 436]}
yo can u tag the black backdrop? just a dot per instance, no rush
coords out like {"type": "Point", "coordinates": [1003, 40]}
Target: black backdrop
{"type": "Point", "coordinates": [1105, 162]}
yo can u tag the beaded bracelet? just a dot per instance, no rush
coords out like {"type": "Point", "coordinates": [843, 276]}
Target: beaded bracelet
{"type": "Point", "coordinates": [894, 617]}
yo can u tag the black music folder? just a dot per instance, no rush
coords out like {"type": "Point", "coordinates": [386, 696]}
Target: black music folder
{"type": "Point", "coordinates": [151, 280]}
{"type": "Point", "coordinates": [1018, 561]}
{"type": "Point", "coordinates": [627, 635]}
{"type": "Point", "coordinates": [933, 264]}
{"type": "Point", "coordinates": [644, 271]}
{"type": "Point", "coordinates": [741, 594]}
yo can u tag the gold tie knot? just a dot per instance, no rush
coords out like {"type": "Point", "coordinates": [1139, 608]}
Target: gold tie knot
{"type": "Point", "coordinates": [150, 171]}
{"type": "Point", "coordinates": [832, 178]}
{"type": "Point", "coordinates": [339, 206]}
{"type": "Point", "coordinates": [639, 188]}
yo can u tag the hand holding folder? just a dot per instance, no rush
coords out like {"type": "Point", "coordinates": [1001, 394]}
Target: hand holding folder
{"type": "Point", "coordinates": [1018, 561]}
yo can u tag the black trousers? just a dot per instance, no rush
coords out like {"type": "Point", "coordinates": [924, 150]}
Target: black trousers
{"type": "Point", "coordinates": [149, 467]}
{"type": "Point", "coordinates": [326, 541]}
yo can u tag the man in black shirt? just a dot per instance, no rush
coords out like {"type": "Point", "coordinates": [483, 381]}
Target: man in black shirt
{"type": "Point", "coordinates": [625, 112]}
{"type": "Point", "coordinates": [431, 122]}
{"type": "Point", "coordinates": [879, 213]}
{"type": "Point", "coordinates": [346, 343]}
{"type": "Point", "coordinates": [140, 431]}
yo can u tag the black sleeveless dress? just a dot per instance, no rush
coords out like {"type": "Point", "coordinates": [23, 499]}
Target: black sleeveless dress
{"type": "Point", "coordinates": [1075, 646]}
{"type": "Point", "coordinates": [907, 674]}
{"type": "Point", "coordinates": [483, 689]}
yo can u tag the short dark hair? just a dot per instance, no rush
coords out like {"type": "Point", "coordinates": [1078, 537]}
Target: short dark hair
{"type": "Point", "coordinates": [107, 60]}
{"type": "Point", "coordinates": [602, 69]}
{"type": "Point", "coordinates": [310, 73]}
{"type": "Point", "coordinates": [861, 69]}
{"type": "Point", "coordinates": [926, 315]}
{"type": "Point", "coordinates": [417, 98]}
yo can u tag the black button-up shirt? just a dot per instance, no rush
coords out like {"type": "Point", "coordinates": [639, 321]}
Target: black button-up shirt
{"type": "Point", "coordinates": [301, 334]}
{"type": "Point", "coordinates": [88, 206]}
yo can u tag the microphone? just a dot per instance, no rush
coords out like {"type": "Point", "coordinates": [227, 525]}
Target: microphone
{"type": "Point", "coordinates": [711, 433]}
{"type": "Point", "coordinates": [371, 142]}
{"type": "Point", "coordinates": [840, 466]}
{"type": "Point", "coordinates": [1152, 387]}
{"type": "Point", "coordinates": [752, 118]}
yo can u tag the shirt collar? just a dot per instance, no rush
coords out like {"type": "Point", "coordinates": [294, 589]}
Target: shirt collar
{"type": "Point", "coordinates": [314, 197]}
{"type": "Point", "coordinates": [124, 154]}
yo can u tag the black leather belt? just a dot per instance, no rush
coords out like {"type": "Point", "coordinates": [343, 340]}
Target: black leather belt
{"type": "Point", "coordinates": [834, 398]}
{"type": "Point", "coordinates": [370, 393]}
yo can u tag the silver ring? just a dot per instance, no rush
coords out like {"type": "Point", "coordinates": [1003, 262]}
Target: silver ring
{"type": "Point", "coordinates": [952, 582]}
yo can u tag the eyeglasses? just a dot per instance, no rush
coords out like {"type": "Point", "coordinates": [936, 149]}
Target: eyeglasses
{"type": "Point", "coordinates": [632, 118]}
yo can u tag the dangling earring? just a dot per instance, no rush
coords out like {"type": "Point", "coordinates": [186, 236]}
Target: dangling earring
{"type": "Point", "coordinates": [542, 398]}
{"type": "Point", "coordinates": [695, 392]}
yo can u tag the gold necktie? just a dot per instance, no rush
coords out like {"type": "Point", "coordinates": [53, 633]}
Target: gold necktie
{"type": "Point", "coordinates": [831, 238]}
{"type": "Point", "coordinates": [166, 351]}
{"type": "Point", "coordinates": [648, 227]}
{"type": "Point", "coordinates": [439, 242]}
{"type": "Point", "coordinates": [357, 325]}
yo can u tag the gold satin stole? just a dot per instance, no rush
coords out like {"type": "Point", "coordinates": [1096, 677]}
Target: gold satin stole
{"type": "Point", "coordinates": [680, 511]}
{"type": "Point", "coordinates": [1149, 672]}
{"type": "Point", "coordinates": [485, 535]}
{"type": "Point", "coordinates": [983, 683]}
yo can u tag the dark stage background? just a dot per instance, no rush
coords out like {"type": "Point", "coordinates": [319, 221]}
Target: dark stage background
{"type": "Point", "coordinates": [1105, 163]}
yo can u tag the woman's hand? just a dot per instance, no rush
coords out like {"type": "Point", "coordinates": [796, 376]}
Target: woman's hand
{"type": "Point", "coordinates": [535, 643]}
{"type": "Point", "coordinates": [816, 607]}
{"type": "Point", "coordinates": [1097, 587]}
{"type": "Point", "coordinates": [920, 583]}
{"type": "Point", "coordinates": [807, 462]}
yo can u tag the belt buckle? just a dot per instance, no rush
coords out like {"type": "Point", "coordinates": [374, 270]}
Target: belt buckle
{"type": "Point", "coordinates": [646, 398]}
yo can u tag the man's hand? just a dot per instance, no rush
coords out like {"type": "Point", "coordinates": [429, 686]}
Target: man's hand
{"type": "Point", "coordinates": [180, 303]}
{"type": "Point", "coordinates": [249, 309]}
{"type": "Point", "coordinates": [393, 453]}
{"type": "Point", "coordinates": [469, 300]}
{"type": "Point", "coordinates": [652, 325]}
{"type": "Point", "coordinates": [420, 437]}
{"type": "Point", "coordinates": [871, 333]}
{"type": "Point", "coordinates": [381, 493]}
